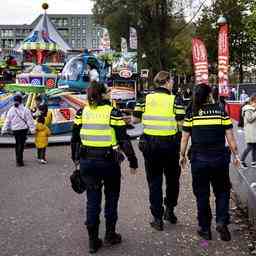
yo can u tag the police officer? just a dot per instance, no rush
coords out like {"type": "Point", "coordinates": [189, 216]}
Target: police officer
{"type": "Point", "coordinates": [208, 125]}
{"type": "Point", "coordinates": [102, 129]}
{"type": "Point", "coordinates": [160, 147]}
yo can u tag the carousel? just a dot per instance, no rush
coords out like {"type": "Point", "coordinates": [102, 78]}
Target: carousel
{"type": "Point", "coordinates": [43, 45]}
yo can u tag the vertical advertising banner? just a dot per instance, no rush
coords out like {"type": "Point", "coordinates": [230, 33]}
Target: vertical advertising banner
{"type": "Point", "coordinates": [124, 47]}
{"type": "Point", "coordinates": [105, 40]}
{"type": "Point", "coordinates": [200, 61]}
{"type": "Point", "coordinates": [223, 60]}
{"type": "Point", "coordinates": [133, 38]}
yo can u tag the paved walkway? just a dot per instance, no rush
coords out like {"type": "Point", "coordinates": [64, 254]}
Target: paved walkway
{"type": "Point", "coordinates": [41, 216]}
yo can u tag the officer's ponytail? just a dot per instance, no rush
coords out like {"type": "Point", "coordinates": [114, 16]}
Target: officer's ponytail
{"type": "Point", "coordinates": [200, 96]}
{"type": "Point", "coordinates": [95, 93]}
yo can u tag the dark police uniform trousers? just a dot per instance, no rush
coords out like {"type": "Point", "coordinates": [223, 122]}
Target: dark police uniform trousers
{"type": "Point", "coordinates": [100, 167]}
{"type": "Point", "coordinates": [211, 167]}
{"type": "Point", "coordinates": [98, 172]}
{"type": "Point", "coordinates": [161, 156]}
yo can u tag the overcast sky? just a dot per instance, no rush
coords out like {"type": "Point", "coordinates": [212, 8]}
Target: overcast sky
{"type": "Point", "coordinates": [26, 11]}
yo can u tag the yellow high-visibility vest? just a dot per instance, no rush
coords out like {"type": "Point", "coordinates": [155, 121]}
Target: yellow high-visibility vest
{"type": "Point", "coordinates": [96, 130]}
{"type": "Point", "coordinates": [159, 117]}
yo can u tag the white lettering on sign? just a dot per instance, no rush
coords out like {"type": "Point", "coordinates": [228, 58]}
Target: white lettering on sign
{"type": "Point", "coordinates": [125, 73]}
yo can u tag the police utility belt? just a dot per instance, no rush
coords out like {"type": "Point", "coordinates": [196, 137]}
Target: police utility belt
{"type": "Point", "coordinates": [109, 154]}
{"type": "Point", "coordinates": [169, 138]}
{"type": "Point", "coordinates": [91, 152]}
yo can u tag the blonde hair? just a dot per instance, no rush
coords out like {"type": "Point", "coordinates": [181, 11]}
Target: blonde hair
{"type": "Point", "coordinates": [162, 77]}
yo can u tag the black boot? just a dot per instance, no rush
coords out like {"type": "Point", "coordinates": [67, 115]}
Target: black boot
{"type": "Point", "coordinates": [205, 234]}
{"type": "Point", "coordinates": [224, 232]}
{"type": "Point", "coordinates": [111, 237]}
{"type": "Point", "coordinates": [170, 216]}
{"type": "Point", "coordinates": [157, 224]}
{"type": "Point", "coordinates": [94, 242]}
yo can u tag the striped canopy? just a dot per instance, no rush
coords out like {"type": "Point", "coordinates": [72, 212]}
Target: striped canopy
{"type": "Point", "coordinates": [45, 37]}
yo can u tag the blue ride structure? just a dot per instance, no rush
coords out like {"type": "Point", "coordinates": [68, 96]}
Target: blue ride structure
{"type": "Point", "coordinates": [75, 74]}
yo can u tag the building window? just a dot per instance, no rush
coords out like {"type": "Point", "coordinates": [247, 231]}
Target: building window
{"type": "Point", "coordinates": [94, 32]}
{"type": "Point", "coordinates": [60, 22]}
{"type": "Point", "coordinates": [94, 43]}
{"type": "Point", "coordinates": [84, 31]}
{"type": "Point", "coordinates": [78, 43]}
{"type": "Point", "coordinates": [63, 32]}
{"type": "Point", "coordinates": [7, 33]}
{"type": "Point", "coordinates": [11, 43]}
{"type": "Point", "coordinates": [65, 22]}
{"type": "Point", "coordinates": [73, 22]}
{"type": "Point", "coordinates": [73, 42]}
{"type": "Point", "coordinates": [84, 43]}
{"type": "Point", "coordinates": [84, 21]}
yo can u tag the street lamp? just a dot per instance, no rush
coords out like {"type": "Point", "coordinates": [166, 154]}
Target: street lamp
{"type": "Point", "coordinates": [222, 20]}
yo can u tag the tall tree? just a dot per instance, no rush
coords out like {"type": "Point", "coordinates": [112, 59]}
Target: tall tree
{"type": "Point", "coordinates": [153, 20]}
{"type": "Point", "coordinates": [241, 44]}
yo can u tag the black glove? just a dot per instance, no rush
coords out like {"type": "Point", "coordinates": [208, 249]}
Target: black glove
{"type": "Point", "coordinates": [133, 162]}
{"type": "Point", "coordinates": [118, 156]}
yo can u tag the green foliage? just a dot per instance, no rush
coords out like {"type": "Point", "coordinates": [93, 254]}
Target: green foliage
{"type": "Point", "coordinates": [109, 57]}
{"type": "Point", "coordinates": [242, 26]}
{"type": "Point", "coordinates": [156, 26]}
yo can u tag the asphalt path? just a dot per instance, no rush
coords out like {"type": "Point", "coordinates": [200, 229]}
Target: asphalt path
{"type": "Point", "coordinates": [40, 215]}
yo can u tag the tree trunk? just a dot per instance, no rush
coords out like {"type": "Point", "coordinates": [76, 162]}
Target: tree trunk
{"type": "Point", "coordinates": [241, 73]}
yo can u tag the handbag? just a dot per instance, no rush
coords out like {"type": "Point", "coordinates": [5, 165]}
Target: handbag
{"type": "Point", "coordinates": [76, 181]}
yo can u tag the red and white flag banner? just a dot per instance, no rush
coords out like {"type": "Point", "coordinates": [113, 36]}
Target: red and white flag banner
{"type": "Point", "coordinates": [223, 61]}
{"type": "Point", "coordinates": [200, 60]}
{"type": "Point", "coordinates": [133, 38]}
{"type": "Point", "coordinates": [105, 40]}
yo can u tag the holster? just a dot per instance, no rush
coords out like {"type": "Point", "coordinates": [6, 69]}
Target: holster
{"type": "Point", "coordinates": [107, 154]}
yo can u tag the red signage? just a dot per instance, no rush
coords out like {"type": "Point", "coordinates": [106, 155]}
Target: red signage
{"type": "Point", "coordinates": [223, 60]}
{"type": "Point", "coordinates": [66, 113]}
{"type": "Point", "coordinates": [125, 73]}
{"type": "Point", "coordinates": [200, 60]}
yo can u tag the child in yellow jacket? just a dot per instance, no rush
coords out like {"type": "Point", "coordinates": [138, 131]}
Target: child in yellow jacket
{"type": "Point", "coordinates": [41, 139]}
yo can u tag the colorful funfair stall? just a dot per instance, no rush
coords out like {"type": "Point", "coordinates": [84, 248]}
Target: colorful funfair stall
{"type": "Point", "coordinates": [39, 81]}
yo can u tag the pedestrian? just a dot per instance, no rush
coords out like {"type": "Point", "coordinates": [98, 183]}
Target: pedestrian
{"type": "Point", "coordinates": [241, 119]}
{"type": "Point", "coordinates": [249, 116]}
{"type": "Point", "coordinates": [102, 133]}
{"type": "Point", "coordinates": [41, 139]}
{"type": "Point", "coordinates": [159, 144]}
{"type": "Point", "coordinates": [233, 94]}
{"type": "Point", "coordinates": [244, 96]}
{"type": "Point", "coordinates": [20, 121]}
{"type": "Point", "coordinates": [187, 96]}
{"type": "Point", "coordinates": [208, 125]}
